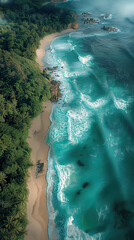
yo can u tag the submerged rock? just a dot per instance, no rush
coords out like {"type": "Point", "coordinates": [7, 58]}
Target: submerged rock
{"type": "Point", "coordinates": [55, 68]}
{"type": "Point", "coordinates": [105, 16]}
{"type": "Point", "coordinates": [50, 69]}
{"type": "Point", "coordinates": [91, 20]}
{"type": "Point", "coordinates": [78, 192]}
{"type": "Point", "coordinates": [80, 163]}
{"type": "Point", "coordinates": [86, 14]}
{"type": "Point", "coordinates": [110, 29]}
{"type": "Point", "coordinates": [85, 184]}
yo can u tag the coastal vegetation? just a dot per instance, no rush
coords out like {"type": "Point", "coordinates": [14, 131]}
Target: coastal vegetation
{"type": "Point", "coordinates": [23, 87]}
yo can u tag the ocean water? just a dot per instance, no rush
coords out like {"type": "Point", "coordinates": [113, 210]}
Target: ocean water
{"type": "Point", "coordinates": [91, 158]}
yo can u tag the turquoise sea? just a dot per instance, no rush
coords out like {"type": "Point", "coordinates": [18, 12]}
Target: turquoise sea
{"type": "Point", "coordinates": [91, 159]}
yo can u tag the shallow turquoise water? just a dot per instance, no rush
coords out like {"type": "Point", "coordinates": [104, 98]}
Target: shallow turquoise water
{"type": "Point", "coordinates": [90, 165]}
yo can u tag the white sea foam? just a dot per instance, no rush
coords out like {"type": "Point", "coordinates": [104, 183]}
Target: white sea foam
{"type": "Point", "coordinates": [72, 47]}
{"type": "Point", "coordinates": [110, 16]}
{"type": "Point", "coordinates": [78, 124]}
{"type": "Point", "coordinates": [121, 103]}
{"type": "Point", "coordinates": [50, 181]}
{"type": "Point", "coordinates": [102, 213]}
{"type": "Point", "coordinates": [64, 173]}
{"type": "Point", "coordinates": [85, 60]}
{"type": "Point", "coordinates": [64, 46]}
{"type": "Point", "coordinates": [76, 73]}
{"type": "Point", "coordinates": [74, 233]}
{"type": "Point", "coordinates": [59, 132]}
{"type": "Point", "coordinates": [76, 86]}
{"type": "Point", "coordinates": [68, 97]}
{"type": "Point", "coordinates": [96, 104]}
{"type": "Point", "coordinates": [76, 34]}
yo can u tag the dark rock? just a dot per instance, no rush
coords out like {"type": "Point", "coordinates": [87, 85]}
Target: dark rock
{"type": "Point", "coordinates": [80, 163]}
{"type": "Point", "coordinates": [85, 184]}
{"type": "Point", "coordinates": [50, 69]}
{"type": "Point", "coordinates": [79, 192]}
{"type": "Point", "coordinates": [45, 70]}
{"type": "Point", "coordinates": [55, 91]}
{"type": "Point", "coordinates": [86, 13]}
{"type": "Point", "coordinates": [90, 20]}
{"type": "Point", "coordinates": [39, 168]}
{"type": "Point", "coordinates": [55, 68]}
{"type": "Point", "coordinates": [110, 29]}
{"type": "Point", "coordinates": [105, 16]}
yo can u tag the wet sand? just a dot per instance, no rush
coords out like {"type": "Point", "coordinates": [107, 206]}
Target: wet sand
{"type": "Point", "coordinates": [45, 42]}
{"type": "Point", "coordinates": [37, 212]}
{"type": "Point", "coordinates": [37, 205]}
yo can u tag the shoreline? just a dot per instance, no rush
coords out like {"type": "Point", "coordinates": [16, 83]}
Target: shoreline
{"type": "Point", "coordinates": [37, 212]}
{"type": "Point", "coordinates": [40, 52]}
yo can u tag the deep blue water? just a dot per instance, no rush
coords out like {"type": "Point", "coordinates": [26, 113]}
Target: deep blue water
{"type": "Point", "coordinates": [91, 137]}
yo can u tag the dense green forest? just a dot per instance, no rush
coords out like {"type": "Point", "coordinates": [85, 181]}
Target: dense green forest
{"type": "Point", "coordinates": [22, 89]}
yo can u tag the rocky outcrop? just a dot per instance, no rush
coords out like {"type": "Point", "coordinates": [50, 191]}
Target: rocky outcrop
{"type": "Point", "coordinates": [87, 20]}
{"type": "Point", "coordinates": [85, 14]}
{"type": "Point", "coordinates": [50, 69]}
{"type": "Point", "coordinates": [55, 90]}
{"type": "Point", "coordinates": [73, 25]}
{"type": "Point", "coordinates": [106, 16]}
{"type": "Point", "coordinates": [54, 85]}
{"type": "Point", "coordinates": [110, 29]}
{"type": "Point", "coordinates": [90, 20]}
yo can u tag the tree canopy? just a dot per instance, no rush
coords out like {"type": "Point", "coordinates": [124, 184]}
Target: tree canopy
{"type": "Point", "coordinates": [22, 89]}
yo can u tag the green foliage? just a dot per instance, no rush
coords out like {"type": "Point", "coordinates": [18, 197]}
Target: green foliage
{"type": "Point", "coordinates": [22, 89]}
{"type": "Point", "coordinates": [28, 21]}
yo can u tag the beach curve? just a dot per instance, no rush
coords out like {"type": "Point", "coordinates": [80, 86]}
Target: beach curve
{"type": "Point", "coordinates": [37, 213]}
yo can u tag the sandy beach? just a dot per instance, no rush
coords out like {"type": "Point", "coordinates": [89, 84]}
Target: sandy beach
{"type": "Point", "coordinates": [37, 213]}
{"type": "Point", "coordinates": [37, 206]}
{"type": "Point", "coordinates": [46, 41]}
